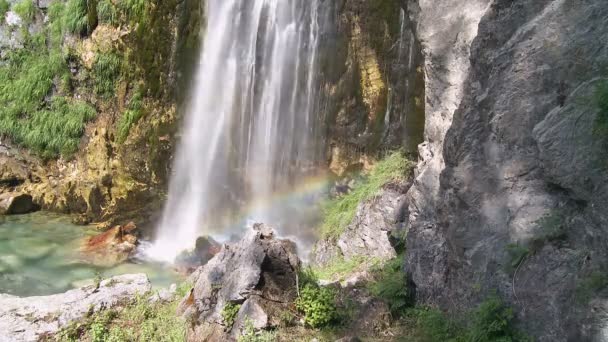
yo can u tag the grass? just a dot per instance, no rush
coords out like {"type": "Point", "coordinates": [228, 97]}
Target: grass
{"type": "Point", "coordinates": [340, 268]}
{"type": "Point", "coordinates": [131, 116]}
{"type": "Point", "coordinates": [229, 313]}
{"type": "Point", "coordinates": [106, 71]}
{"type": "Point", "coordinates": [26, 10]}
{"type": "Point", "coordinates": [107, 12]}
{"type": "Point", "coordinates": [250, 335]}
{"type": "Point", "coordinates": [4, 7]}
{"type": "Point", "coordinates": [139, 321]}
{"type": "Point", "coordinates": [76, 19]}
{"type": "Point", "coordinates": [339, 213]}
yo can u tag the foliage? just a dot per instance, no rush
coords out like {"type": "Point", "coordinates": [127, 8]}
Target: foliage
{"type": "Point", "coordinates": [131, 116]}
{"type": "Point", "coordinates": [491, 321]}
{"type": "Point", "coordinates": [106, 71]}
{"type": "Point", "coordinates": [140, 321]}
{"type": "Point", "coordinates": [552, 228]}
{"type": "Point", "coordinates": [390, 284]}
{"type": "Point", "coordinates": [339, 213]}
{"type": "Point", "coordinates": [601, 98]}
{"type": "Point", "coordinates": [339, 267]}
{"type": "Point", "coordinates": [4, 7]}
{"type": "Point", "coordinates": [229, 313]}
{"type": "Point", "coordinates": [26, 10]}
{"type": "Point", "coordinates": [591, 285]}
{"type": "Point", "coordinates": [107, 12]}
{"type": "Point", "coordinates": [318, 304]}
{"type": "Point", "coordinates": [517, 254]}
{"type": "Point", "coordinates": [249, 334]}
{"type": "Point", "coordinates": [76, 19]}
{"type": "Point", "coordinates": [135, 9]}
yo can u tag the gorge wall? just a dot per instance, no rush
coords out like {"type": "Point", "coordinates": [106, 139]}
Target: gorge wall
{"type": "Point", "coordinates": [510, 191]}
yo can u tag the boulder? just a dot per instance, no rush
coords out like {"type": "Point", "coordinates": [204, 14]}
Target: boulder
{"type": "Point", "coordinates": [205, 249]}
{"type": "Point", "coordinates": [14, 203]}
{"type": "Point", "coordinates": [258, 273]}
{"type": "Point", "coordinates": [111, 247]}
{"type": "Point", "coordinates": [36, 318]}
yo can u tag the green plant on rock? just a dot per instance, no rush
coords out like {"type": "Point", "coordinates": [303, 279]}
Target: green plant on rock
{"type": "Point", "coordinates": [517, 254]}
{"type": "Point", "coordinates": [250, 335]}
{"type": "Point", "coordinates": [130, 116]}
{"type": "Point", "coordinates": [492, 321]}
{"type": "Point", "coordinates": [229, 313]}
{"type": "Point", "coordinates": [106, 70]}
{"type": "Point", "coordinates": [4, 7]}
{"type": "Point", "coordinates": [390, 284]}
{"type": "Point", "coordinates": [591, 285]}
{"type": "Point", "coordinates": [318, 304]}
{"type": "Point", "coordinates": [601, 99]}
{"type": "Point", "coordinates": [76, 18]}
{"type": "Point", "coordinates": [107, 12]}
{"type": "Point", "coordinates": [26, 10]}
{"type": "Point", "coordinates": [339, 213]}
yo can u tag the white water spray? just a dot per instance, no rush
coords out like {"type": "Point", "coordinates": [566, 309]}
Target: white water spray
{"type": "Point", "coordinates": [251, 126]}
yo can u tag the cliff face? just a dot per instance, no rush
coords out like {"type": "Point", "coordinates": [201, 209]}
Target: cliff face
{"type": "Point", "coordinates": [511, 188]}
{"type": "Point", "coordinates": [373, 85]}
{"type": "Point", "coordinates": [120, 169]}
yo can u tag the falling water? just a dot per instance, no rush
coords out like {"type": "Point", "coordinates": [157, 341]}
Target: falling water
{"type": "Point", "coordinates": [251, 126]}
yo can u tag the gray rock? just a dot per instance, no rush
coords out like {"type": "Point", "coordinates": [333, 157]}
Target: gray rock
{"type": "Point", "coordinates": [259, 273]}
{"type": "Point", "coordinates": [16, 204]}
{"type": "Point", "coordinates": [509, 141]}
{"type": "Point", "coordinates": [31, 318]}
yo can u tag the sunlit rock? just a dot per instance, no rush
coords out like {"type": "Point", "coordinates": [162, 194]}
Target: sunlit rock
{"type": "Point", "coordinates": [112, 247]}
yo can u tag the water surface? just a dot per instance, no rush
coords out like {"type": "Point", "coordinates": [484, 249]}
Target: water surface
{"type": "Point", "coordinates": [39, 256]}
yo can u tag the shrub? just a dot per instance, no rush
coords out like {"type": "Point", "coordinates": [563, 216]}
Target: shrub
{"type": "Point", "coordinates": [517, 254]}
{"type": "Point", "coordinates": [249, 334]}
{"type": "Point", "coordinates": [4, 7]}
{"type": "Point", "coordinates": [26, 10]}
{"type": "Point", "coordinates": [318, 304]}
{"type": "Point", "coordinates": [339, 213]}
{"type": "Point", "coordinates": [229, 313]}
{"type": "Point", "coordinates": [106, 71]}
{"type": "Point", "coordinates": [390, 284]}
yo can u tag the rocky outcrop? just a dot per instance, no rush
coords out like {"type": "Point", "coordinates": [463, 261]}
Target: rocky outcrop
{"type": "Point", "coordinates": [111, 247]}
{"type": "Point", "coordinates": [257, 276]}
{"type": "Point", "coordinates": [511, 162]}
{"type": "Point", "coordinates": [12, 203]}
{"type": "Point", "coordinates": [37, 318]}
{"type": "Point", "coordinates": [372, 232]}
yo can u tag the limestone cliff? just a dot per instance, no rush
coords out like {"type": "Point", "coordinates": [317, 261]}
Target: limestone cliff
{"type": "Point", "coordinates": [511, 188]}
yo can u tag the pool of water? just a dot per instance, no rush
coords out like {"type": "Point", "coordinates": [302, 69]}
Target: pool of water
{"type": "Point", "coordinates": [39, 256]}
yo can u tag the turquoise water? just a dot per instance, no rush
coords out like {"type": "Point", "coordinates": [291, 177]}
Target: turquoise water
{"type": "Point", "coordinates": [39, 256]}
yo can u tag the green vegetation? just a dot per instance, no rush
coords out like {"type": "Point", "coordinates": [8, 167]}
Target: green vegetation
{"type": "Point", "coordinates": [340, 268]}
{"type": "Point", "coordinates": [131, 116]}
{"type": "Point", "coordinates": [339, 213]}
{"type": "Point", "coordinates": [107, 12]}
{"type": "Point", "coordinates": [249, 334]}
{"type": "Point", "coordinates": [591, 285]}
{"type": "Point", "coordinates": [601, 98]}
{"type": "Point", "coordinates": [229, 313]}
{"type": "Point", "coordinates": [76, 18]}
{"type": "Point", "coordinates": [26, 10]}
{"type": "Point", "coordinates": [316, 303]}
{"type": "Point", "coordinates": [517, 255]}
{"type": "Point", "coordinates": [4, 7]}
{"type": "Point", "coordinates": [141, 321]}
{"type": "Point", "coordinates": [106, 71]}
{"type": "Point", "coordinates": [390, 285]}
{"type": "Point", "coordinates": [491, 321]}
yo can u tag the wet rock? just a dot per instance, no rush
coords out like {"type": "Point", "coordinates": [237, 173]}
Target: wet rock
{"type": "Point", "coordinates": [16, 204]}
{"type": "Point", "coordinates": [33, 318]}
{"type": "Point", "coordinates": [205, 249]}
{"type": "Point", "coordinates": [111, 247]}
{"type": "Point", "coordinates": [258, 273]}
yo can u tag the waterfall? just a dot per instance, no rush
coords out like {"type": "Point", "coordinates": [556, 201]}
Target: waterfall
{"type": "Point", "coordinates": [250, 131]}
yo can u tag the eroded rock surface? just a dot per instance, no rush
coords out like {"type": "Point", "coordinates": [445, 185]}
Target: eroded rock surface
{"type": "Point", "coordinates": [33, 318]}
{"type": "Point", "coordinates": [15, 203]}
{"type": "Point", "coordinates": [258, 273]}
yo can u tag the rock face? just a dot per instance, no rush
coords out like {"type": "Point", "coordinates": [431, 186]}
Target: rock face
{"type": "Point", "coordinates": [373, 82]}
{"type": "Point", "coordinates": [111, 247]}
{"type": "Point", "coordinates": [259, 273]}
{"type": "Point", "coordinates": [34, 318]}
{"type": "Point", "coordinates": [16, 204]}
{"type": "Point", "coordinates": [511, 158]}
{"type": "Point", "coordinates": [370, 234]}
